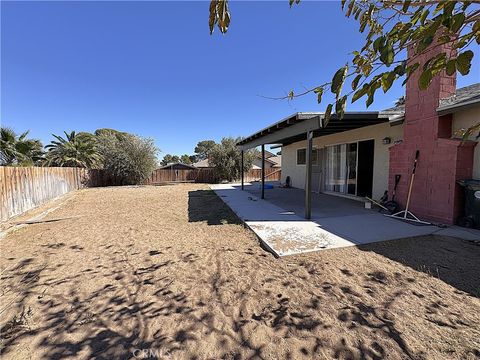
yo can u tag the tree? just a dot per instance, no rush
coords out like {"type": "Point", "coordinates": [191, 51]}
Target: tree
{"type": "Point", "coordinates": [18, 149]}
{"type": "Point", "coordinates": [226, 158]}
{"type": "Point", "coordinates": [390, 27]}
{"type": "Point", "coordinates": [169, 159]}
{"type": "Point", "coordinates": [128, 158]}
{"type": "Point", "coordinates": [203, 148]}
{"type": "Point", "coordinates": [185, 159]}
{"type": "Point", "coordinates": [75, 150]}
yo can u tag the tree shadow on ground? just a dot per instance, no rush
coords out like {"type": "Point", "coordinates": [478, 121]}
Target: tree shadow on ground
{"type": "Point", "coordinates": [452, 260]}
{"type": "Point", "coordinates": [205, 205]}
{"type": "Point", "coordinates": [326, 310]}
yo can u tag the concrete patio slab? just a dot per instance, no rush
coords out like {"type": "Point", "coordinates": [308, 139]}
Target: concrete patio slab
{"type": "Point", "coordinates": [336, 222]}
{"type": "Point", "coordinates": [289, 238]}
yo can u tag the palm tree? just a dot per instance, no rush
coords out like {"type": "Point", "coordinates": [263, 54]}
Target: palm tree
{"type": "Point", "coordinates": [76, 150]}
{"type": "Point", "coordinates": [17, 149]}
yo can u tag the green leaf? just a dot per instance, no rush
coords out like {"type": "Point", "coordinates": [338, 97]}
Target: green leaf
{"type": "Point", "coordinates": [340, 106]}
{"type": "Point", "coordinates": [424, 16]}
{"type": "Point", "coordinates": [360, 93]}
{"type": "Point", "coordinates": [374, 85]}
{"type": "Point", "coordinates": [387, 54]}
{"type": "Point", "coordinates": [319, 92]}
{"type": "Point", "coordinates": [370, 99]}
{"type": "Point", "coordinates": [406, 4]}
{"type": "Point", "coordinates": [355, 81]}
{"type": "Point", "coordinates": [476, 30]}
{"type": "Point", "coordinates": [328, 114]}
{"type": "Point", "coordinates": [464, 62]}
{"type": "Point", "coordinates": [400, 69]}
{"type": "Point", "coordinates": [379, 43]}
{"type": "Point", "coordinates": [425, 79]}
{"type": "Point", "coordinates": [338, 80]}
{"type": "Point", "coordinates": [450, 67]}
{"type": "Point", "coordinates": [457, 22]}
{"type": "Point", "coordinates": [387, 80]}
{"type": "Point", "coordinates": [448, 8]}
{"type": "Point", "coordinates": [424, 43]}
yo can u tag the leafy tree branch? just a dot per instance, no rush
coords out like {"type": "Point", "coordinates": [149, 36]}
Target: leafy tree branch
{"type": "Point", "coordinates": [390, 28]}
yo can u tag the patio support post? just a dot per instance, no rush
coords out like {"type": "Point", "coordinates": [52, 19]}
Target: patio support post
{"type": "Point", "coordinates": [263, 171]}
{"type": "Point", "coordinates": [241, 169]}
{"type": "Point", "coordinates": [308, 176]}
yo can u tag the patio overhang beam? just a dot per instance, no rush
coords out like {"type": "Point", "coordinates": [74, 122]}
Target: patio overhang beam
{"type": "Point", "coordinates": [335, 126]}
{"type": "Point", "coordinates": [295, 127]}
{"type": "Point", "coordinates": [297, 124]}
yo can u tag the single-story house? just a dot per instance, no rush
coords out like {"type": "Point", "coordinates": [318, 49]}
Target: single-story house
{"type": "Point", "coordinates": [203, 164]}
{"type": "Point", "coordinates": [271, 161]}
{"type": "Point", "coordinates": [176, 166]}
{"type": "Point", "coordinates": [361, 154]}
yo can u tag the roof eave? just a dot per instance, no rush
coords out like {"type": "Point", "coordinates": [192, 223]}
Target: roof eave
{"type": "Point", "coordinates": [450, 109]}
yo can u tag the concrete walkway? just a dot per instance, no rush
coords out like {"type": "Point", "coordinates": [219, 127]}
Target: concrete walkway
{"type": "Point", "coordinates": [336, 222]}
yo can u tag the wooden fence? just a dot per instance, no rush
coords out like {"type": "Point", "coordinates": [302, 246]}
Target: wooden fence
{"type": "Point", "coordinates": [23, 188]}
{"type": "Point", "coordinates": [205, 175]}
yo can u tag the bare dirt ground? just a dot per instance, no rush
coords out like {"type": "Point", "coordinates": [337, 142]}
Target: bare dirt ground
{"type": "Point", "coordinates": [169, 272]}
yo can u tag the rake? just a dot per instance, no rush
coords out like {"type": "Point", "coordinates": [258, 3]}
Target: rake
{"type": "Point", "coordinates": [406, 214]}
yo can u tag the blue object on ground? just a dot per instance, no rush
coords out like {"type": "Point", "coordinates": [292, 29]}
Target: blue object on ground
{"type": "Point", "coordinates": [267, 186]}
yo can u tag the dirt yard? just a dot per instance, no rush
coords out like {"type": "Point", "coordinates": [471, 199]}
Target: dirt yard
{"type": "Point", "coordinates": [170, 273]}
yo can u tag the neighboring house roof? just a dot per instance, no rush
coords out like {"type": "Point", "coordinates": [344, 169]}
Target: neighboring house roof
{"type": "Point", "coordinates": [464, 97]}
{"type": "Point", "coordinates": [267, 159]}
{"type": "Point", "coordinates": [177, 165]}
{"type": "Point", "coordinates": [272, 160]}
{"type": "Point", "coordinates": [268, 154]}
{"type": "Point", "coordinates": [202, 164]}
{"type": "Point", "coordinates": [277, 159]}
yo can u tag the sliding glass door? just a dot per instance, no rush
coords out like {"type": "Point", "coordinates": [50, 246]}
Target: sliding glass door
{"type": "Point", "coordinates": [341, 169]}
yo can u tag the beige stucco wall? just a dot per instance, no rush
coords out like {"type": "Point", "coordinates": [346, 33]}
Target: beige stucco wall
{"type": "Point", "coordinates": [380, 161]}
{"type": "Point", "coordinates": [462, 120]}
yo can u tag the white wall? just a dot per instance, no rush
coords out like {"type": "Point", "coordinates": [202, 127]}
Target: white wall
{"type": "Point", "coordinates": [462, 120]}
{"type": "Point", "coordinates": [380, 161]}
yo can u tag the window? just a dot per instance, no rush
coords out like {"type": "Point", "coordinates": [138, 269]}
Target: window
{"type": "Point", "coordinates": [302, 156]}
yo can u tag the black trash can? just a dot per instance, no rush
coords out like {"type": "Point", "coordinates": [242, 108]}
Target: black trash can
{"type": "Point", "coordinates": [472, 204]}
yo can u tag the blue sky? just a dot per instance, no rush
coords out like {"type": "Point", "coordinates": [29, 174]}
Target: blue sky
{"type": "Point", "coordinates": [151, 68]}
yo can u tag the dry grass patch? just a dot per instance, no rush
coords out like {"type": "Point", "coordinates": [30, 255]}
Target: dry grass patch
{"type": "Point", "coordinates": [171, 269]}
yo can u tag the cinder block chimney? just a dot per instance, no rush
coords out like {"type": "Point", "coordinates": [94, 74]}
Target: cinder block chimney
{"type": "Point", "coordinates": [443, 160]}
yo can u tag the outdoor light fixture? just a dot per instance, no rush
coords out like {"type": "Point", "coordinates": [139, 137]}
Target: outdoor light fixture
{"type": "Point", "coordinates": [387, 140]}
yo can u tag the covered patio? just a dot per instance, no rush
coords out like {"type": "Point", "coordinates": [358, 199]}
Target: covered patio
{"type": "Point", "coordinates": [307, 126]}
{"type": "Point", "coordinates": [335, 221]}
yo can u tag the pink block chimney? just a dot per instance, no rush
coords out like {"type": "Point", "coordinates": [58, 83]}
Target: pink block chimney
{"type": "Point", "coordinates": [435, 196]}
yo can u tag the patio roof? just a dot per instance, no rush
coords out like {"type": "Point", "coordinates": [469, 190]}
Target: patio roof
{"type": "Point", "coordinates": [295, 127]}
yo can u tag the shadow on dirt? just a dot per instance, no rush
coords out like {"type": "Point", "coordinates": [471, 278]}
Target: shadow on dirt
{"type": "Point", "coordinates": [205, 205]}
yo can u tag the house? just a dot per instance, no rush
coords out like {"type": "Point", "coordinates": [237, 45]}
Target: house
{"type": "Point", "coordinates": [362, 154]}
{"type": "Point", "coordinates": [203, 164]}
{"type": "Point", "coordinates": [271, 161]}
{"type": "Point", "coordinates": [176, 166]}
